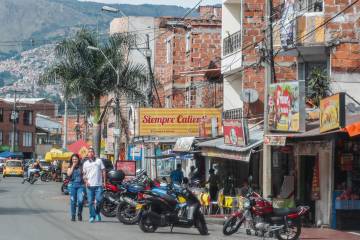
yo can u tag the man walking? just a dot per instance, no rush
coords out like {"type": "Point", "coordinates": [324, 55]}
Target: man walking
{"type": "Point", "coordinates": [94, 179]}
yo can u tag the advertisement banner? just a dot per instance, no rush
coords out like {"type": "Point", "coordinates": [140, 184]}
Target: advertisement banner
{"type": "Point", "coordinates": [235, 132]}
{"type": "Point", "coordinates": [332, 112]}
{"type": "Point", "coordinates": [275, 140]}
{"type": "Point", "coordinates": [128, 167]}
{"type": "Point", "coordinates": [135, 152]}
{"type": "Point", "coordinates": [287, 107]}
{"type": "Point", "coordinates": [174, 121]}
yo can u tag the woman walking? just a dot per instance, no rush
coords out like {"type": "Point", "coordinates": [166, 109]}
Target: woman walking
{"type": "Point", "coordinates": [75, 174]}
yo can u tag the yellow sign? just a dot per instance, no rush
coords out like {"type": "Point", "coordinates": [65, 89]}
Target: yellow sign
{"type": "Point", "coordinates": [174, 121]}
{"type": "Point", "coordinates": [332, 112]}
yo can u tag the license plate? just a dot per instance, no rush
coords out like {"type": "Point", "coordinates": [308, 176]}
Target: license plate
{"type": "Point", "coordinates": [139, 206]}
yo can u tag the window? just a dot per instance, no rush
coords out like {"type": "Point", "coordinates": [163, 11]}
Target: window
{"type": "Point", "coordinates": [188, 38]}
{"type": "Point", "coordinates": [28, 117]}
{"type": "Point", "coordinates": [168, 51]}
{"type": "Point", "coordinates": [16, 138]}
{"type": "Point", "coordinates": [27, 139]}
{"type": "Point", "coordinates": [1, 137]}
{"type": "Point", "coordinates": [14, 115]}
{"type": "Point", "coordinates": [1, 114]}
{"type": "Point", "coordinates": [311, 6]}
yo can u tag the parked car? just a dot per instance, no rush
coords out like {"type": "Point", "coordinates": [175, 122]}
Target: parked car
{"type": "Point", "coordinates": [13, 168]}
{"type": "Point", "coordinates": [46, 166]}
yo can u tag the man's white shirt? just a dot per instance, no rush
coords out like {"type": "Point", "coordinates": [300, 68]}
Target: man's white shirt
{"type": "Point", "coordinates": [92, 171]}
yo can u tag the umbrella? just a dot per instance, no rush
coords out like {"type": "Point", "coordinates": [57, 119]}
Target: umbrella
{"type": "Point", "coordinates": [57, 154]}
{"type": "Point", "coordinates": [80, 147]}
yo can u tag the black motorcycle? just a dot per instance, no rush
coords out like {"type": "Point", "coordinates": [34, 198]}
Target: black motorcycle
{"type": "Point", "coordinates": [172, 206]}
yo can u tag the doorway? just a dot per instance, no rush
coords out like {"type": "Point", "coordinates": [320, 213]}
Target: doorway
{"type": "Point", "coordinates": [307, 164]}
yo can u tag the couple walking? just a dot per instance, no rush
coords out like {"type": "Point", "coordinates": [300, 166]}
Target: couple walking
{"type": "Point", "coordinates": [91, 175]}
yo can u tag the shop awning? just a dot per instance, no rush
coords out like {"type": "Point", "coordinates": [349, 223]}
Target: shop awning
{"type": "Point", "coordinates": [8, 154]}
{"type": "Point", "coordinates": [57, 154]}
{"type": "Point", "coordinates": [217, 147]}
{"type": "Point", "coordinates": [183, 144]}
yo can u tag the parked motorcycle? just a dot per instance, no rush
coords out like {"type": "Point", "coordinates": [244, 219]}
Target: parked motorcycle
{"type": "Point", "coordinates": [172, 206]}
{"type": "Point", "coordinates": [284, 223]}
{"type": "Point", "coordinates": [112, 192]}
{"type": "Point", "coordinates": [34, 176]}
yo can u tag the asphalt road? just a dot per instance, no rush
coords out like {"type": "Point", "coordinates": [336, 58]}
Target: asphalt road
{"type": "Point", "coordinates": [41, 212]}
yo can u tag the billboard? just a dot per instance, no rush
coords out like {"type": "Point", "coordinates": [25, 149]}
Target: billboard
{"type": "Point", "coordinates": [287, 107]}
{"type": "Point", "coordinates": [174, 121]}
{"type": "Point", "coordinates": [332, 112]}
{"type": "Point", "coordinates": [235, 132]}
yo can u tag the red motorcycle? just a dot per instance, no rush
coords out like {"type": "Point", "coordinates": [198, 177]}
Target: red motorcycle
{"type": "Point", "coordinates": [262, 218]}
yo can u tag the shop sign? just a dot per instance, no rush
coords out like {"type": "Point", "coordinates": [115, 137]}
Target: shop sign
{"type": "Point", "coordinates": [347, 162]}
{"type": "Point", "coordinates": [128, 167]}
{"type": "Point", "coordinates": [135, 152]}
{"type": "Point", "coordinates": [175, 121]}
{"type": "Point", "coordinates": [287, 107]}
{"type": "Point", "coordinates": [273, 140]}
{"type": "Point", "coordinates": [243, 156]}
{"type": "Point", "coordinates": [315, 190]}
{"type": "Point", "coordinates": [332, 112]}
{"type": "Point", "coordinates": [183, 144]}
{"type": "Point", "coordinates": [235, 132]}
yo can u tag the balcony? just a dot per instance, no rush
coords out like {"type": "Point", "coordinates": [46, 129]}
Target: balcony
{"type": "Point", "coordinates": [232, 43]}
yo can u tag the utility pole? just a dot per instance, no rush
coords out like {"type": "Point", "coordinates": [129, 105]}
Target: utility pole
{"type": "Point", "coordinates": [151, 74]}
{"type": "Point", "coordinates": [65, 122]}
{"type": "Point", "coordinates": [269, 75]}
{"type": "Point", "coordinates": [14, 116]}
{"type": "Point", "coordinates": [117, 131]}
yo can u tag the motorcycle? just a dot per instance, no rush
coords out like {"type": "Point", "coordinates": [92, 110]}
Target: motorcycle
{"type": "Point", "coordinates": [173, 206]}
{"type": "Point", "coordinates": [34, 176]}
{"type": "Point", "coordinates": [131, 196]}
{"type": "Point", "coordinates": [45, 176]}
{"type": "Point", "coordinates": [284, 223]}
{"type": "Point", "coordinates": [64, 186]}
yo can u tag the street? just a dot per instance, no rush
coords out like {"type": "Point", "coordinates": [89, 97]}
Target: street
{"type": "Point", "coordinates": [40, 211]}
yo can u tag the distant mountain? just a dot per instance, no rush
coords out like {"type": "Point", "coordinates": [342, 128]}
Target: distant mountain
{"type": "Point", "coordinates": [30, 23]}
{"type": "Point", "coordinates": [29, 29]}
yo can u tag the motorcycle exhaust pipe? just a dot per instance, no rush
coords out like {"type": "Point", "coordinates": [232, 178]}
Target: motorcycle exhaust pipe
{"type": "Point", "coordinates": [130, 201]}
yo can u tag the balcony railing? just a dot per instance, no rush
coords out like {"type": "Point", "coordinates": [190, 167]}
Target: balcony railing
{"type": "Point", "coordinates": [232, 114]}
{"type": "Point", "coordinates": [232, 43]}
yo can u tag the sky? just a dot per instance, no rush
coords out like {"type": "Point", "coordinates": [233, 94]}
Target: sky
{"type": "Point", "coordinates": [183, 3]}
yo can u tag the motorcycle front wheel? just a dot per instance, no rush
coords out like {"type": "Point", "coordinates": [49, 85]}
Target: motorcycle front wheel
{"type": "Point", "coordinates": [107, 208]}
{"type": "Point", "coordinates": [232, 225]}
{"type": "Point", "coordinates": [292, 232]}
{"type": "Point", "coordinates": [146, 225]}
{"type": "Point", "coordinates": [200, 224]}
{"type": "Point", "coordinates": [127, 214]}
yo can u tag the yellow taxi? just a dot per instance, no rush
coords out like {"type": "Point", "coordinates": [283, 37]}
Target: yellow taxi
{"type": "Point", "coordinates": [13, 168]}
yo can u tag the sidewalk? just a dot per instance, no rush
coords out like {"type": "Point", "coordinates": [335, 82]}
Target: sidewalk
{"type": "Point", "coordinates": [306, 233]}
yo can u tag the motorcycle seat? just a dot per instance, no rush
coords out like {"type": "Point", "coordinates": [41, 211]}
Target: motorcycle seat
{"type": "Point", "coordinates": [285, 211]}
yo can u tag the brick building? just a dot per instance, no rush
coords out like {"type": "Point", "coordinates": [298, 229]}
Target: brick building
{"type": "Point", "coordinates": [187, 54]}
{"type": "Point", "coordinates": [24, 128]}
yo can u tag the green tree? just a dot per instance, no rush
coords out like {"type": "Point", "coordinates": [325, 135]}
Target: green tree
{"type": "Point", "coordinates": [87, 74]}
{"type": "Point", "coordinates": [318, 85]}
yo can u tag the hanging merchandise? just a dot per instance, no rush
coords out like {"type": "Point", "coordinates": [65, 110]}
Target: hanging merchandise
{"type": "Point", "coordinates": [315, 191]}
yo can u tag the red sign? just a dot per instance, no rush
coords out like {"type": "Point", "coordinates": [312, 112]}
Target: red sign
{"type": "Point", "coordinates": [315, 188]}
{"type": "Point", "coordinates": [128, 167]}
{"type": "Point", "coordinates": [235, 132]}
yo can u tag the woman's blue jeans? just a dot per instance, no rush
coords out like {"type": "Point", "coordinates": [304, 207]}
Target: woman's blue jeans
{"type": "Point", "coordinates": [94, 193]}
{"type": "Point", "coordinates": [76, 198]}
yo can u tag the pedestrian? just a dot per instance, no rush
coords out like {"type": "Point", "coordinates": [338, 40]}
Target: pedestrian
{"type": "Point", "coordinates": [75, 173]}
{"type": "Point", "coordinates": [94, 177]}
{"type": "Point", "coordinates": [177, 175]}
{"type": "Point", "coordinates": [213, 184]}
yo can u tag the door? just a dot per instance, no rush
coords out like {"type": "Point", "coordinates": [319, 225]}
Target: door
{"type": "Point", "coordinates": [307, 164]}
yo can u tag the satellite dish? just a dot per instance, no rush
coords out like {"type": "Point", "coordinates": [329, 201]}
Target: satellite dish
{"type": "Point", "coordinates": [249, 95]}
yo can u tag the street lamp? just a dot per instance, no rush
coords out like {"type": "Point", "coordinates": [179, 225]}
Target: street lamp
{"type": "Point", "coordinates": [113, 10]}
{"type": "Point", "coordinates": [117, 104]}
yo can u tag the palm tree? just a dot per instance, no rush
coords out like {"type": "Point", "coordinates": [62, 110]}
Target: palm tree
{"type": "Point", "coordinates": [88, 75]}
